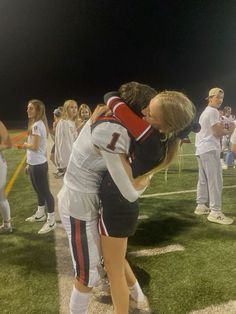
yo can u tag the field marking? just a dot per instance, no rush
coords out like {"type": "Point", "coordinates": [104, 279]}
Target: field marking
{"type": "Point", "coordinates": [14, 176]}
{"type": "Point", "coordinates": [157, 251]}
{"type": "Point", "coordinates": [179, 192]}
{"type": "Point", "coordinates": [225, 308]}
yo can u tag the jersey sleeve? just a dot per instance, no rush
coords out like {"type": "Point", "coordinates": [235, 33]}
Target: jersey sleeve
{"type": "Point", "coordinates": [111, 137]}
{"type": "Point", "coordinates": [36, 130]}
{"type": "Point", "coordinates": [136, 126]}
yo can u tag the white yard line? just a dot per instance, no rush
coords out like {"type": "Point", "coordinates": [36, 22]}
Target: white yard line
{"type": "Point", "coordinates": [157, 251]}
{"type": "Point", "coordinates": [180, 192]}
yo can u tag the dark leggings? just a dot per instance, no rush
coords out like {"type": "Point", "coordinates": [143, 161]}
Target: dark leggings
{"type": "Point", "coordinates": [39, 178]}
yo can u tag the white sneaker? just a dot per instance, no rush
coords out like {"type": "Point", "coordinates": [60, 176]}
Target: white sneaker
{"type": "Point", "coordinates": [47, 227]}
{"type": "Point", "coordinates": [202, 209]}
{"type": "Point", "coordinates": [219, 218]}
{"type": "Point", "coordinates": [5, 229]}
{"type": "Point", "coordinates": [35, 217]}
{"type": "Point", "coordinates": [141, 306]}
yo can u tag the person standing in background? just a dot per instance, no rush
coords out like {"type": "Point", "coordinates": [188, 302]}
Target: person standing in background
{"type": "Point", "coordinates": [37, 165]}
{"type": "Point", "coordinates": [66, 134]}
{"type": "Point", "coordinates": [84, 113]}
{"type": "Point", "coordinates": [208, 149]}
{"type": "Point", "coordinates": [56, 118]}
{"type": "Point", "coordinates": [5, 143]}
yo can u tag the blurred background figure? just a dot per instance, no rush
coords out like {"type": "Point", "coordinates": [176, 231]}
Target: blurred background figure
{"type": "Point", "coordinates": [84, 114]}
{"type": "Point", "coordinates": [65, 135]}
{"type": "Point", "coordinates": [5, 143]}
{"type": "Point", "coordinates": [228, 156]}
{"type": "Point", "coordinates": [57, 113]}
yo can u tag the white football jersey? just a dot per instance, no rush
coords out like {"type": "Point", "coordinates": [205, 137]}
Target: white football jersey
{"type": "Point", "coordinates": [86, 165]}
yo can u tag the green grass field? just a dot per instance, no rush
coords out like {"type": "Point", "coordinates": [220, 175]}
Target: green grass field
{"type": "Point", "coordinates": [203, 274]}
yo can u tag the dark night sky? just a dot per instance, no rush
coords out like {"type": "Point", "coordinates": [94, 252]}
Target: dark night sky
{"type": "Point", "coordinates": [59, 49]}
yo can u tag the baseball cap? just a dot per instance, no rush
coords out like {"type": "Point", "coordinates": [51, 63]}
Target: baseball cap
{"type": "Point", "coordinates": [215, 91]}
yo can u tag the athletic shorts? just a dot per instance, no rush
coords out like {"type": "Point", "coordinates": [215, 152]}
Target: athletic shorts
{"type": "Point", "coordinates": [84, 239]}
{"type": "Point", "coordinates": [118, 217]}
{"type": "Point", "coordinates": [85, 244]}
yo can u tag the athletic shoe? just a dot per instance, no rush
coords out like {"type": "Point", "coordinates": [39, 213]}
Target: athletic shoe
{"type": "Point", "coordinates": [202, 209]}
{"type": "Point", "coordinates": [60, 173]}
{"type": "Point", "coordinates": [36, 218]}
{"type": "Point", "coordinates": [219, 218]}
{"type": "Point", "coordinates": [4, 229]}
{"type": "Point", "coordinates": [139, 306]}
{"type": "Point", "coordinates": [47, 227]}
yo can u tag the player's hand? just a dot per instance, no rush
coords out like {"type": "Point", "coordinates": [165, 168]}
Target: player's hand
{"type": "Point", "coordinates": [100, 110]}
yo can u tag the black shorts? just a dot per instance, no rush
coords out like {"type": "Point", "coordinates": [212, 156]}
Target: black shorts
{"type": "Point", "coordinates": [118, 216]}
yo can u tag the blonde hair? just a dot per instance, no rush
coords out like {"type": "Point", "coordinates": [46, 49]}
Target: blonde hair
{"type": "Point", "coordinates": [40, 115]}
{"type": "Point", "coordinates": [177, 112]}
{"type": "Point", "coordinates": [83, 107]}
{"type": "Point", "coordinates": [66, 105]}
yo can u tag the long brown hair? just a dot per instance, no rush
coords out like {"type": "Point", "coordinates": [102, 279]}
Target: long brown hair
{"type": "Point", "coordinates": [40, 115]}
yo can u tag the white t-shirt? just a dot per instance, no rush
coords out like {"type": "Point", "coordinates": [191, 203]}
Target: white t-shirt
{"type": "Point", "coordinates": [65, 135]}
{"type": "Point", "coordinates": [39, 156]}
{"type": "Point", "coordinates": [205, 140]}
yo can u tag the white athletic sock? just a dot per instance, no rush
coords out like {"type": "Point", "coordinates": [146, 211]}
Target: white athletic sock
{"type": "Point", "coordinates": [136, 292]}
{"type": "Point", "coordinates": [6, 214]}
{"type": "Point", "coordinates": [51, 218]}
{"type": "Point", "coordinates": [79, 302]}
{"type": "Point", "coordinates": [40, 211]}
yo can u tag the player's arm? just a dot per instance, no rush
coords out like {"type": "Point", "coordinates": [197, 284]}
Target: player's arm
{"type": "Point", "coordinates": [34, 145]}
{"type": "Point", "coordinates": [135, 125]}
{"type": "Point", "coordinates": [121, 174]}
{"type": "Point", "coordinates": [113, 142]}
{"type": "Point", "coordinates": [219, 129]}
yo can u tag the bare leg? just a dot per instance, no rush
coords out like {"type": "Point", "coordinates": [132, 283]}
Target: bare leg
{"type": "Point", "coordinates": [113, 251]}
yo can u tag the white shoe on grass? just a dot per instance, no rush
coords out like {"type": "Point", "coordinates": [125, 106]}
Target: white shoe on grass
{"type": "Point", "coordinates": [219, 218]}
{"type": "Point", "coordinates": [47, 227]}
{"type": "Point", "coordinates": [35, 217]}
{"type": "Point", "coordinates": [202, 209]}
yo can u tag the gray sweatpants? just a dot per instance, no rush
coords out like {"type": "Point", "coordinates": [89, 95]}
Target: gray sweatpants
{"type": "Point", "coordinates": [210, 181]}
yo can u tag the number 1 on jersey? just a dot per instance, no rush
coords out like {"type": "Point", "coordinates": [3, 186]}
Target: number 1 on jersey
{"type": "Point", "coordinates": [112, 144]}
